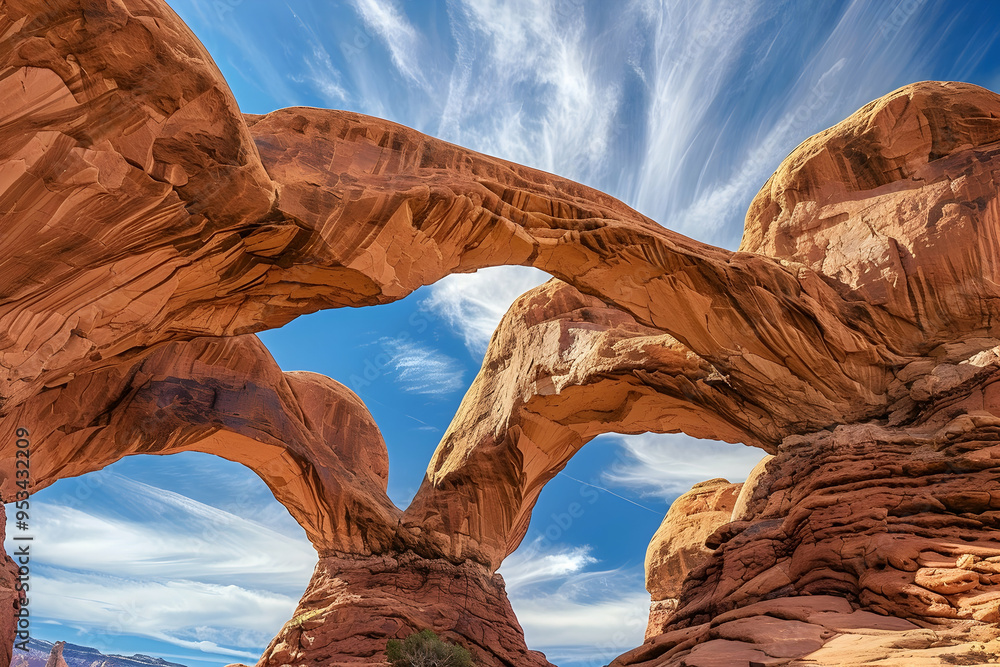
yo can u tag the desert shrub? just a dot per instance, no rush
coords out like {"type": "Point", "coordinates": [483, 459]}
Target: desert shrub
{"type": "Point", "coordinates": [426, 649]}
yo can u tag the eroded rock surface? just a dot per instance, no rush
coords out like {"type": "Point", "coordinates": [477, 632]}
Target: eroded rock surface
{"type": "Point", "coordinates": [151, 227]}
{"type": "Point", "coordinates": [898, 528]}
{"type": "Point", "coordinates": [225, 224]}
{"type": "Point", "coordinates": [563, 367]}
{"type": "Point", "coordinates": [678, 546]}
{"type": "Point", "coordinates": [893, 521]}
{"type": "Point", "coordinates": [308, 437]}
{"type": "Point", "coordinates": [816, 631]}
{"type": "Point", "coordinates": [352, 605]}
{"type": "Point", "coordinates": [56, 656]}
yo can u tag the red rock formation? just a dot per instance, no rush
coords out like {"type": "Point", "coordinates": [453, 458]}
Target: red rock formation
{"type": "Point", "coordinates": [897, 516]}
{"type": "Point", "coordinates": [315, 445]}
{"type": "Point", "coordinates": [225, 225]}
{"type": "Point", "coordinates": [799, 548]}
{"type": "Point", "coordinates": [679, 544]}
{"type": "Point", "coordinates": [561, 369]}
{"type": "Point", "coordinates": [853, 336]}
{"type": "Point", "coordinates": [815, 631]}
{"type": "Point", "coordinates": [354, 604]}
{"type": "Point", "coordinates": [56, 656]}
{"type": "Point", "coordinates": [863, 542]}
{"type": "Point", "coordinates": [308, 437]}
{"type": "Point", "coordinates": [895, 206]}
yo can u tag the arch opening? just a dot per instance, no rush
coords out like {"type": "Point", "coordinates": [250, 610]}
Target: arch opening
{"type": "Point", "coordinates": [186, 557]}
{"type": "Point", "coordinates": [577, 581]}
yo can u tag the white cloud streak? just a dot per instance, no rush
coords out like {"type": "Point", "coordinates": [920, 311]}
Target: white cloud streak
{"type": "Point", "coordinates": [474, 303]}
{"type": "Point", "coordinates": [386, 19]}
{"type": "Point", "coordinates": [180, 612]}
{"type": "Point", "coordinates": [571, 613]}
{"type": "Point", "coordinates": [423, 370]}
{"type": "Point", "coordinates": [547, 103]}
{"type": "Point", "coordinates": [139, 560]}
{"type": "Point", "coordinates": [664, 466]}
{"type": "Point", "coordinates": [324, 76]}
{"type": "Point", "coordinates": [701, 188]}
{"type": "Point", "coordinates": [528, 566]}
{"type": "Point", "coordinates": [146, 531]}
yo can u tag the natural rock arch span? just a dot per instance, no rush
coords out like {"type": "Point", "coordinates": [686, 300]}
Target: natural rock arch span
{"type": "Point", "coordinates": [146, 213]}
{"type": "Point", "coordinates": [231, 224]}
{"type": "Point", "coordinates": [309, 438]}
{"type": "Point", "coordinates": [318, 449]}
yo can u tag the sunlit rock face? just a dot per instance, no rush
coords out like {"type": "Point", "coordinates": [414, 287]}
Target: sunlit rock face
{"type": "Point", "coordinates": [679, 544]}
{"type": "Point", "coordinates": [864, 545]}
{"type": "Point", "coordinates": [875, 542]}
{"type": "Point", "coordinates": [151, 228]}
{"type": "Point", "coordinates": [351, 600]}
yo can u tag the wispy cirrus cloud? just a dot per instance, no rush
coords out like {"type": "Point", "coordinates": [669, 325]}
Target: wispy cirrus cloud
{"type": "Point", "coordinates": [122, 557]}
{"type": "Point", "coordinates": [530, 566]}
{"type": "Point", "coordinates": [321, 73]}
{"type": "Point", "coordinates": [420, 369]}
{"type": "Point", "coordinates": [224, 620]}
{"type": "Point", "coordinates": [667, 465]}
{"type": "Point", "coordinates": [324, 76]}
{"type": "Point", "coordinates": [552, 102]}
{"type": "Point", "coordinates": [726, 104]}
{"type": "Point", "coordinates": [169, 535]}
{"type": "Point", "coordinates": [474, 303]}
{"type": "Point", "coordinates": [387, 20]}
{"type": "Point", "coordinates": [570, 611]}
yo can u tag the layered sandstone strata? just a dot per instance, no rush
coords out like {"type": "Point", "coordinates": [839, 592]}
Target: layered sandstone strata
{"type": "Point", "coordinates": [875, 542]}
{"type": "Point", "coordinates": [317, 448]}
{"type": "Point", "coordinates": [864, 545]}
{"type": "Point", "coordinates": [354, 603]}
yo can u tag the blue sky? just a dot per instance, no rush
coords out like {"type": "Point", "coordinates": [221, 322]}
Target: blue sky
{"type": "Point", "coordinates": [680, 109]}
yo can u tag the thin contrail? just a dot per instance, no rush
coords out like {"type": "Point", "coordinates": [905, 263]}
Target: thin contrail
{"type": "Point", "coordinates": [611, 492]}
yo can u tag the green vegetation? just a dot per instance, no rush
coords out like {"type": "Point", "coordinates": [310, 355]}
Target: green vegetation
{"type": "Point", "coordinates": [426, 649]}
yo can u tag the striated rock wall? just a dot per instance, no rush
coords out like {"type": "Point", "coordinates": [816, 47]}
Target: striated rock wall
{"type": "Point", "coordinates": [172, 216]}
{"type": "Point", "coordinates": [857, 543]}
{"type": "Point", "coordinates": [561, 369]}
{"type": "Point", "coordinates": [874, 542]}
{"type": "Point", "coordinates": [308, 437]}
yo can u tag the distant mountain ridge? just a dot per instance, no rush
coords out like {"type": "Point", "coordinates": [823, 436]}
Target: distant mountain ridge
{"type": "Point", "coordinates": [83, 656]}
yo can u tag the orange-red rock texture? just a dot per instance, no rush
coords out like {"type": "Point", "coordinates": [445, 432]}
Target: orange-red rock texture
{"type": "Point", "coordinates": [150, 228]}
{"type": "Point", "coordinates": [56, 656]}
{"type": "Point", "coordinates": [678, 546]}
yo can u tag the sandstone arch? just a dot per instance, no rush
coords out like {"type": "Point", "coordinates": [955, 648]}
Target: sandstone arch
{"type": "Point", "coordinates": [229, 224]}
{"type": "Point", "coordinates": [147, 216]}
{"type": "Point", "coordinates": [308, 437]}
{"type": "Point", "coordinates": [561, 369]}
